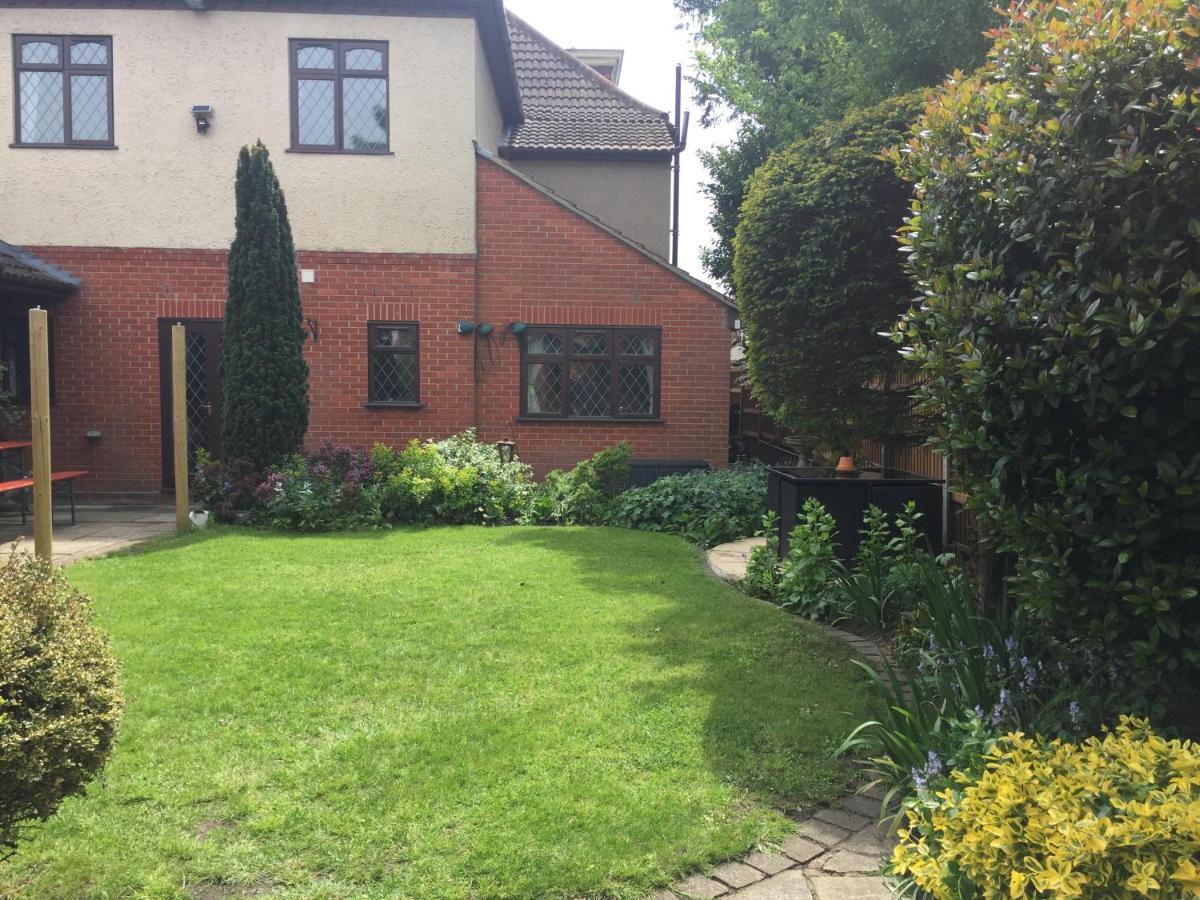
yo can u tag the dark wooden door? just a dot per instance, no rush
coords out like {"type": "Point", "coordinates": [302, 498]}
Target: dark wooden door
{"type": "Point", "coordinates": [202, 387]}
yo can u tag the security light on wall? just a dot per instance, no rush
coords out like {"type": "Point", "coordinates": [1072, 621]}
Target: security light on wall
{"type": "Point", "coordinates": [203, 114]}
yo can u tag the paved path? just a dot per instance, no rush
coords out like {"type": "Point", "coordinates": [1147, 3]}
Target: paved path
{"type": "Point", "coordinates": [836, 852]}
{"type": "Point", "coordinates": [101, 528]}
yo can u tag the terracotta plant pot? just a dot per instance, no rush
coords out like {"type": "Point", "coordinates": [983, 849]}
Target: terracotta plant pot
{"type": "Point", "coordinates": [846, 466]}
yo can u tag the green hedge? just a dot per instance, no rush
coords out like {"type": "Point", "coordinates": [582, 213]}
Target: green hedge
{"type": "Point", "coordinates": [1056, 243]}
{"type": "Point", "coordinates": [819, 278]}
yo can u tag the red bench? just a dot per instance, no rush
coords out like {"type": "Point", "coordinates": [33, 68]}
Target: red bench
{"type": "Point", "coordinates": [56, 478]}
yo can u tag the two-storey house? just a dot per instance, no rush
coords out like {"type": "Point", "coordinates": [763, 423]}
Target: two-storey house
{"type": "Point", "coordinates": [481, 222]}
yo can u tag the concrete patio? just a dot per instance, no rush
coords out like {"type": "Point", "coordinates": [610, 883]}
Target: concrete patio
{"type": "Point", "coordinates": [102, 527]}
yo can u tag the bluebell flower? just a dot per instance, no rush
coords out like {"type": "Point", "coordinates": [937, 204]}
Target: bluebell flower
{"type": "Point", "coordinates": [918, 779]}
{"type": "Point", "coordinates": [933, 765]}
{"type": "Point", "coordinates": [1011, 643]}
{"type": "Point", "coordinates": [1076, 713]}
{"type": "Point", "coordinates": [989, 652]}
{"type": "Point", "coordinates": [979, 712]}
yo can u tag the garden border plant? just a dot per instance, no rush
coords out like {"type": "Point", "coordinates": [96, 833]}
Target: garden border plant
{"type": "Point", "coordinates": [1054, 239]}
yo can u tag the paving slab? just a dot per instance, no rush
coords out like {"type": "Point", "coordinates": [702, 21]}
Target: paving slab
{"type": "Point", "coordinates": [846, 863]}
{"type": "Point", "coordinates": [100, 529]}
{"type": "Point", "coordinates": [822, 832]}
{"type": "Point", "coordinates": [728, 561]}
{"type": "Point", "coordinates": [849, 887]}
{"type": "Point", "coordinates": [736, 874]}
{"type": "Point", "coordinates": [801, 849]}
{"type": "Point", "coordinates": [864, 806]}
{"type": "Point", "coordinates": [843, 819]}
{"type": "Point", "coordinates": [789, 885]}
{"type": "Point", "coordinates": [700, 888]}
{"type": "Point", "coordinates": [770, 863]}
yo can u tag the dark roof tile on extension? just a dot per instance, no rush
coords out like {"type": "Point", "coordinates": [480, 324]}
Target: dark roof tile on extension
{"type": "Point", "coordinates": [571, 110]}
{"type": "Point", "coordinates": [22, 268]}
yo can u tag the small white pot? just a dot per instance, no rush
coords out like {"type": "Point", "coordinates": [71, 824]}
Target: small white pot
{"type": "Point", "coordinates": [199, 519]}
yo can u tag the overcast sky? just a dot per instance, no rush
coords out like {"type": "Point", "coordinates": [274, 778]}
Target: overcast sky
{"type": "Point", "coordinates": [648, 32]}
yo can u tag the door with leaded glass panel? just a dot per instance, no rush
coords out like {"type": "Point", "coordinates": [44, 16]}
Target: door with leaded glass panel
{"type": "Point", "coordinates": [202, 388]}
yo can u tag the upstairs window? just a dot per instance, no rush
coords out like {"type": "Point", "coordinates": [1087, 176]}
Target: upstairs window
{"type": "Point", "coordinates": [590, 373]}
{"type": "Point", "coordinates": [339, 96]}
{"type": "Point", "coordinates": [63, 91]}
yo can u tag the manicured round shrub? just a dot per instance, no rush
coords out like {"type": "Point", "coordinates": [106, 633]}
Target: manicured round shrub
{"type": "Point", "coordinates": [1056, 240]}
{"type": "Point", "coordinates": [59, 699]}
{"type": "Point", "coordinates": [819, 277]}
{"type": "Point", "coordinates": [1112, 817]}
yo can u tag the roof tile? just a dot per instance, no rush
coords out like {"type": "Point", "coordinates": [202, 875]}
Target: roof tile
{"type": "Point", "coordinates": [570, 107]}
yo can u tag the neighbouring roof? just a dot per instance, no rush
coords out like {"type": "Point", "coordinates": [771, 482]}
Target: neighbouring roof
{"type": "Point", "coordinates": [571, 110]}
{"type": "Point", "coordinates": [608, 229]}
{"type": "Point", "coordinates": [23, 269]}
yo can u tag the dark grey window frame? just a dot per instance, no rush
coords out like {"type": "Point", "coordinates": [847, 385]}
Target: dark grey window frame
{"type": "Point", "coordinates": [67, 68]}
{"type": "Point", "coordinates": [615, 359]}
{"type": "Point", "coordinates": [336, 76]}
{"type": "Point", "coordinates": [415, 353]}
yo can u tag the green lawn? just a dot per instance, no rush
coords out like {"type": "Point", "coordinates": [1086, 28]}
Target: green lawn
{"type": "Point", "coordinates": [451, 712]}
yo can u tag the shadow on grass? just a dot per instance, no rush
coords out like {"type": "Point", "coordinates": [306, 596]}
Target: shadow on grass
{"type": "Point", "coordinates": [782, 694]}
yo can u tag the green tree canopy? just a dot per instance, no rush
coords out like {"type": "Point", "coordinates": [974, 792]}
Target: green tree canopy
{"type": "Point", "coordinates": [264, 378]}
{"type": "Point", "coordinates": [820, 280]}
{"type": "Point", "coordinates": [785, 67]}
{"type": "Point", "coordinates": [1057, 245]}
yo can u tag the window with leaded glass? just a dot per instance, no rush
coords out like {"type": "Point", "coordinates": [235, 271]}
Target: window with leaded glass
{"type": "Point", "coordinates": [339, 96]}
{"type": "Point", "coordinates": [63, 91]}
{"type": "Point", "coordinates": [394, 374]}
{"type": "Point", "coordinates": [590, 372]}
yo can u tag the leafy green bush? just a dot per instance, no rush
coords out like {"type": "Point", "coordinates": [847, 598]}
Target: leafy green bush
{"type": "Point", "coordinates": [59, 699]}
{"type": "Point", "coordinates": [584, 495]}
{"type": "Point", "coordinates": [1056, 244]}
{"type": "Point", "coordinates": [501, 491]}
{"type": "Point", "coordinates": [762, 568]}
{"type": "Point", "coordinates": [226, 488]}
{"type": "Point", "coordinates": [456, 481]}
{"type": "Point", "coordinates": [818, 278]}
{"type": "Point", "coordinates": [331, 488]}
{"type": "Point", "coordinates": [705, 507]}
{"type": "Point", "coordinates": [1113, 817]}
{"type": "Point", "coordinates": [811, 569]}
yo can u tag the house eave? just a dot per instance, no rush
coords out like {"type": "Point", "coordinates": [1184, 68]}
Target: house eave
{"type": "Point", "coordinates": [587, 154]}
{"type": "Point", "coordinates": [488, 14]}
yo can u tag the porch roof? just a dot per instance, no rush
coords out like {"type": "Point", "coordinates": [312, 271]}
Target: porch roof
{"type": "Point", "coordinates": [21, 271]}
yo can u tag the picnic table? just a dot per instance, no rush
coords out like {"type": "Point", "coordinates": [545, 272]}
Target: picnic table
{"type": "Point", "coordinates": [14, 478]}
{"type": "Point", "coordinates": [7, 450]}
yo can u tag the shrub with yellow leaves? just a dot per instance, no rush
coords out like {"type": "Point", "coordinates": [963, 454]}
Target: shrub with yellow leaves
{"type": "Point", "coordinates": [1116, 816]}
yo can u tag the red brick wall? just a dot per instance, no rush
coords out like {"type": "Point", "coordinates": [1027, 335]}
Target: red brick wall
{"type": "Point", "coordinates": [538, 263]}
{"type": "Point", "coordinates": [542, 264]}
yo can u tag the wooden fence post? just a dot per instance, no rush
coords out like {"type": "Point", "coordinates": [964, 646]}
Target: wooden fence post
{"type": "Point", "coordinates": [179, 421]}
{"type": "Point", "coordinates": [39, 417]}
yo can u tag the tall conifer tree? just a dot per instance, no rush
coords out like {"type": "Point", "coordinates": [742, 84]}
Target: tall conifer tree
{"type": "Point", "coordinates": [264, 378]}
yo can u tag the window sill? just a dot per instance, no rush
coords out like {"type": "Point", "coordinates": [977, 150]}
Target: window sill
{"type": "Point", "coordinates": [15, 146]}
{"type": "Point", "coordinates": [332, 152]}
{"type": "Point", "coordinates": [383, 404]}
{"type": "Point", "coordinates": [587, 420]}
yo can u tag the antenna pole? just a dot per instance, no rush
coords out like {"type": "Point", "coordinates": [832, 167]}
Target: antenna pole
{"type": "Point", "coordinates": [675, 165]}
